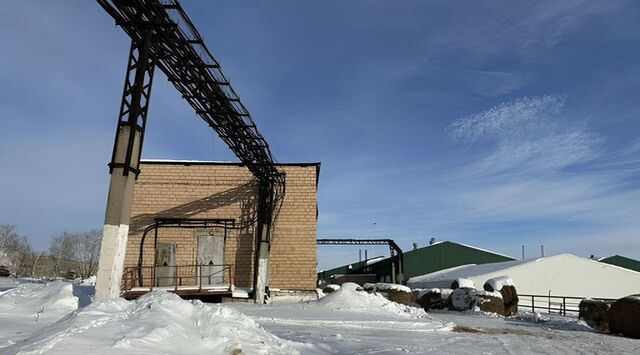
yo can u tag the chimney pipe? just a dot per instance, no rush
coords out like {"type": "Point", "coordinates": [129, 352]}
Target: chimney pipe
{"type": "Point", "coordinates": [542, 250]}
{"type": "Point", "coordinates": [415, 246]}
{"type": "Point", "coordinates": [523, 252]}
{"type": "Point", "coordinates": [365, 255]}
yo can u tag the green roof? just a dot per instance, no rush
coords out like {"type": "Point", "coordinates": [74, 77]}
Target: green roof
{"type": "Point", "coordinates": [619, 260]}
{"type": "Point", "coordinates": [435, 257]}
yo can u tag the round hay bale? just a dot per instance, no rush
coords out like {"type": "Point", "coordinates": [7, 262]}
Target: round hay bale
{"type": "Point", "coordinates": [595, 313]}
{"type": "Point", "coordinates": [624, 316]}
{"type": "Point", "coordinates": [510, 298]}
{"type": "Point", "coordinates": [462, 299]}
{"type": "Point", "coordinates": [490, 303]}
{"type": "Point", "coordinates": [432, 299]}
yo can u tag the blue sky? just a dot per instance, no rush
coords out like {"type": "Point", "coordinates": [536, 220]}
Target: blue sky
{"type": "Point", "coordinates": [495, 124]}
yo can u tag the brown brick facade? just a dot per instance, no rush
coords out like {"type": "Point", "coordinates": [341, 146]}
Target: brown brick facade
{"type": "Point", "coordinates": [228, 191]}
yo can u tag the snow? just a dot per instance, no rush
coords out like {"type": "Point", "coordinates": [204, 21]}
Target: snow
{"type": "Point", "coordinates": [30, 306]}
{"type": "Point", "coordinates": [497, 283]}
{"type": "Point", "coordinates": [240, 293]}
{"type": "Point", "coordinates": [332, 287]}
{"type": "Point", "coordinates": [343, 322]}
{"type": "Point", "coordinates": [157, 322]}
{"type": "Point", "coordinates": [374, 260]}
{"type": "Point", "coordinates": [462, 282]}
{"type": "Point", "coordinates": [351, 297]}
{"type": "Point", "coordinates": [382, 286]}
{"type": "Point", "coordinates": [89, 281]}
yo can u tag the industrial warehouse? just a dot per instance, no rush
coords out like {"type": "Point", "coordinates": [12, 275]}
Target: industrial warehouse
{"type": "Point", "coordinates": [193, 230]}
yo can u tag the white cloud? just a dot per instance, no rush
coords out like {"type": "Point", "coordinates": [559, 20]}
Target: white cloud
{"type": "Point", "coordinates": [529, 134]}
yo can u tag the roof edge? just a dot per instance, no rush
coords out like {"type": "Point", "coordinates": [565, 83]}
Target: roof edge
{"type": "Point", "coordinates": [204, 162]}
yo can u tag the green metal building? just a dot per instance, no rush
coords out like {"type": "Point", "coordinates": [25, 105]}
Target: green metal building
{"type": "Point", "coordinates": [619, 260]}
{"type": "Point", "coordinates": [421, 261]}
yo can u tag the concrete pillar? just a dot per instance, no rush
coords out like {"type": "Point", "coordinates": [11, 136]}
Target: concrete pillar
{"type": "Point", "coordinates": [262, 276]}
{"type": "Point", "coordinates": [117, 216]}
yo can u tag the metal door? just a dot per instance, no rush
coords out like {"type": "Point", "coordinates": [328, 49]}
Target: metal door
{"type": "Point", "coordinates": [165, 264]}
{"type": "Point", "coordinates": [211, 257]}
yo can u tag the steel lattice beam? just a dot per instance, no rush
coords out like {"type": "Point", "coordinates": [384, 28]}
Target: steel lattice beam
{"type": "Point", "coordinates": [188, 64]}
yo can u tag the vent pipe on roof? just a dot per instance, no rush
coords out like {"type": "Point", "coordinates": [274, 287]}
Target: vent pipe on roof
{"type": "Point", "coordinates": [415, 246]}
{"type": "Point", "coordinates": [359, 254]}
{"type": "Point", "coordinates": [542, 250]}
{"type": "Point", "coordinates": [432, 241]}
{"type": "Point", "coordinates": [523, 252]}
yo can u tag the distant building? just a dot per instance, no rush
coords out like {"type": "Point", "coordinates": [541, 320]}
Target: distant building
{"type": "Point", "coordinates": [559, 275]}
{"type": "Point", "coordinates": [420, 261]}
{"type": "Point", "coordinates": [619, 260]}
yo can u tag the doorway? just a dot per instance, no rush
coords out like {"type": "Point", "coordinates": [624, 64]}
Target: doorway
{"type": "Point", "coordinates": [211, 257]}
{"type": "Point", "coordinates": [165, 264]}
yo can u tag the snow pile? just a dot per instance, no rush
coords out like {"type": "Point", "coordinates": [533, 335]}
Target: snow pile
{"type": "Point", "coordinates": [351, 297]}
{"type": "Point", "coordinates": [332, 287]}
{"type": "Point", "coordinates": [89, 281]}
{"type": "Point", "coordinates": [381, 286]}
{"type": "Point", "coordinates": [35, 299]}
{"type": "Point", "coordinates": [465, 283]}
{"type": "Point", "coordinates": [158, 322]}
{"type": "Point", "coordinates": [497, 283]}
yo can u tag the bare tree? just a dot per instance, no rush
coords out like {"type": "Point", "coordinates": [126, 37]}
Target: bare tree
{"type": "Point", "coordinates": [76, 252]}
{"type": "Point", "coordinates": [15, 251]}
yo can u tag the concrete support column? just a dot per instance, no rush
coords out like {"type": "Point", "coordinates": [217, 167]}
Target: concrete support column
{"type": "Point", "coordinates": [262, 276]}
{"type": "Point", "coordinates": [118, 214]}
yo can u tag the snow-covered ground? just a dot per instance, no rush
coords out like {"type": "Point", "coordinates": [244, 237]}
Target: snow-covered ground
{"type": "Point", "coordinates": [50, 319]}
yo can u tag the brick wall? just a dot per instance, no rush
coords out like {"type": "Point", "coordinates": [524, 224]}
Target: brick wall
{"type": "Point", "coordinates": [227, 191]}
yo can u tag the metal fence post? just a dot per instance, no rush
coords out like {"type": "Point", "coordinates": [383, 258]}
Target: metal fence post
{"type": "Point", "coordinates": [533, 304]}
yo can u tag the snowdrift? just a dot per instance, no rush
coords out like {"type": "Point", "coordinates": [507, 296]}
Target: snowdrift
{"type": "Point", "coordinates": [37, 299]}
{"type": "Point", "coordinates": [351, 297]}
{"type": "Point", "coordinates": [159, 322]}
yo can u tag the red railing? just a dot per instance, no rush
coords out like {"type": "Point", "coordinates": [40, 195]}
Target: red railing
{"type": "Point", "coordinates": [178, 277]}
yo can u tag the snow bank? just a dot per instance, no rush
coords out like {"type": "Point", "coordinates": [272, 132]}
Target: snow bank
{"type": "Point", "coordinates": [351, 297]}
{"type": "Point", "coordinates": [158, 322]}
{"type": "Point", "coordinates": [35, 299]}
{"type": "Point", "coordinates": [497, 283]}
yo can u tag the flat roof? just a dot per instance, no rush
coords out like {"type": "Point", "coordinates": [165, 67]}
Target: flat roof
{"type": "Point", "coordinates": [205, 162]}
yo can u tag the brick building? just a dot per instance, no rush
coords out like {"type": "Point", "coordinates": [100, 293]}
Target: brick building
{"type": "Point", "coordinates": [223, 251]}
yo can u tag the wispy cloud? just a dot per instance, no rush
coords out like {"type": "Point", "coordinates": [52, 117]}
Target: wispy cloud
{"type": "Point", "coordinates": [529, 135]}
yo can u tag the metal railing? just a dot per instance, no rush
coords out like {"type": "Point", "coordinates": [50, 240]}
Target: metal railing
{"type": "Point", "coordinates": [178, 277]}
{"type": "Point", "coordinates": [561, 305]}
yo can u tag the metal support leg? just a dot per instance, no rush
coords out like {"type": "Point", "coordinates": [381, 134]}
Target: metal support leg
{"type": "Point", "coordinates": [124, 167]}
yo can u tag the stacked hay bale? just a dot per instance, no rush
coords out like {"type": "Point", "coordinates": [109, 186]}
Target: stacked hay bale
{"type": "Point", "coordinates": [393, 292]}
{"type": "Point", "coordinates": [624, 316]}
{"type": "Point", "coordinates": [434, 298]}
{"type": "Point", "coordinates": [504, 285]}
{"type": "Point", "coordinates": [595, 313]}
